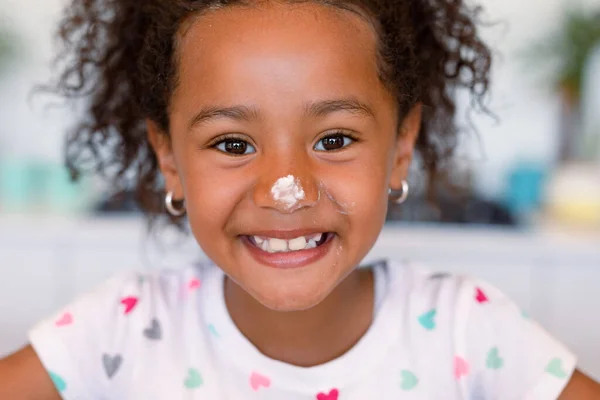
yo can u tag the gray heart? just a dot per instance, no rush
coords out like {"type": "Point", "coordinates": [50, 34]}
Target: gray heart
{"type": "Point", "coordinates": [153, 332]}
{"type": "Point", "coordinates": [439, 275]}
{"type": "Point", "coordinates": [111, 364]}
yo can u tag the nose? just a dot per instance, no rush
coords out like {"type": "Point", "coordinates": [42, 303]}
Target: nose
{"type": "Point", "coordinates": [286, 186]}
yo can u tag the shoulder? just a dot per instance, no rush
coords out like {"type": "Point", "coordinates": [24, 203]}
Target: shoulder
{"type": "Point", "coordinates": [492, 348]}
{"type": "Point", "coordinates": [421, 285]}
{"type": "Point", "coordinates": [102, 333]}
{"type": "Point", "coordinates": [458, 306]}
{"type": "Point", "coordinates": [130, 294]}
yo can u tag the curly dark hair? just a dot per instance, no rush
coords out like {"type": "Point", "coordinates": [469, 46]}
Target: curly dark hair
{"type": "Point", "coordinates": [121, 56]}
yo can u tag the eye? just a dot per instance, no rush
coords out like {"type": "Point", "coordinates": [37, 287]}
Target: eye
{"type": "Point", "coordinates": [334, 142]}
{"type": "Point", "coordinates": [234, 146]}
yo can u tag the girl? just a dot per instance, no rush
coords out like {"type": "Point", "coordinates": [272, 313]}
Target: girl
{"type": "Point", "coordinates": [279, 129]}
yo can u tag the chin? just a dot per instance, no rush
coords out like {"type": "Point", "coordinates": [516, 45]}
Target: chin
{"type": "Point", "coordinates": [289, 304]}
{"type": "Point", "coordinates": [292, 294]}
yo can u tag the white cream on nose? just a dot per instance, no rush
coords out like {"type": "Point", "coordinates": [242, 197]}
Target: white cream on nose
{"type": "Point", "coordinates": [288, 191]}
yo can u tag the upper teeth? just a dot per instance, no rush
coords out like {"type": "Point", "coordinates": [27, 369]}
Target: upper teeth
{"type": "Point", "coordinates": [275, 245]}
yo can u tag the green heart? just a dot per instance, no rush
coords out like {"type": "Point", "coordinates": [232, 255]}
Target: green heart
{"type": "Point", "coordinates": [193, 380]}
{"type": "Point", "coordinates": [409, 380]}
{"type": "Point", "coordinates": [427, 320]}
{"type": "Point", "coordinates": [59, 382]}
{"type": "Point", "coordinates": [494, 361]}
{"type": "Point", "coordinates": [555, 368]}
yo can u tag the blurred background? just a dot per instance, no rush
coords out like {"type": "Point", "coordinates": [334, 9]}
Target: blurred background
{"type": "Point", "coordinates": [527, 218]}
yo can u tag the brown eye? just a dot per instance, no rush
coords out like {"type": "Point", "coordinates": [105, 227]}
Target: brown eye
{"type": "Point", "coordinates": [236, 147]}
{"type": "Point", "coordinates": [333, 142]}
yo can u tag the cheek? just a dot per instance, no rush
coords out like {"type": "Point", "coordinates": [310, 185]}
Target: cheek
{"type": "Point", "coordinates": [369, 190]}
{"type": "Point", "coordinates": [360, 189]}
{"type": "Point", "coordinates": [211, 194]}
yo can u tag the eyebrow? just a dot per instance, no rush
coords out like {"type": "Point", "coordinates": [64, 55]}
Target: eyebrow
{"type": "Point", "coordinates": [238, 113]}
{"type": "Point", "coordinates": [314, 109]}
{"type": "Point", "coordinates": [323, 108]}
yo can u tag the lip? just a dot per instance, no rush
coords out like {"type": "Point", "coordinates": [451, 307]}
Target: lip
{"type": "Point", "coordinates": [288, 260]}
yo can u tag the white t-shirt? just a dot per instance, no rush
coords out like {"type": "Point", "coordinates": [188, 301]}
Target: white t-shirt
{"type": "Point", "coordinates": [169, 336]}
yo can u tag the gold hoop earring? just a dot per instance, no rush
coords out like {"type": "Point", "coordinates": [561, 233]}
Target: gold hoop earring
{"type": "Point", "coordinates": [171, 209]}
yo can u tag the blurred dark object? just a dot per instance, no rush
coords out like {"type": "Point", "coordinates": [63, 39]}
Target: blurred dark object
{"type": "Point", "coordinates": [453, 200]}
{"type": "Point", "coordinates": [121, 202]}
{"type": "Point", "coordinates": [564, 54]}
{"type": "Point", "coordinates": [452, 208]}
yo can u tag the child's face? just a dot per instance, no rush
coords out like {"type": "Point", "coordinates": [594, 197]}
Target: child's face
{"type": "Point", "coordinates": [274, 80]}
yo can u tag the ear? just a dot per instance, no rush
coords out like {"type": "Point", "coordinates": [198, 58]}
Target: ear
{"type": "Point", "coordinates": [161, 144]}
{"type": "Point", "coordinates": [405, 145]}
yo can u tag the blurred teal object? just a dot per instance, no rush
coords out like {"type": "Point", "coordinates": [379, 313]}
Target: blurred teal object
{"type": "Point", "coordinates": [14, 191]}
{"type": "Point", "coordinates": [64, 195]}
{"type": "Point", "coordinates": [37, 186]}
{"type": "Point", "coordinates": [524, 193]}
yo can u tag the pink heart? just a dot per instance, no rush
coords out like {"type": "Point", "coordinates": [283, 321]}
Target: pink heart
{"type": "Point", "coordinates": [461, 367]}
{"type": "Point", "coordinates": [480, 296]}
{"type": "Point", "coordinates": [194, 284]}
{"type": "Point", "coordinates": [64, 320]}
{"type": "Point", "coordinates": [332, 395]}
{"type": "Point", "coordinates": [129, 303]}
{"type": "Point", "coordinates": [257, 380]}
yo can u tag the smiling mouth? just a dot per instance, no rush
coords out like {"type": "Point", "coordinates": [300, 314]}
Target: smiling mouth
{"type": "Point", "coordinates": [274, 245]}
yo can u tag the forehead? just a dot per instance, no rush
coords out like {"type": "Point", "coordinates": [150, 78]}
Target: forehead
{"type": "Point", "coordinates": [238, 52]}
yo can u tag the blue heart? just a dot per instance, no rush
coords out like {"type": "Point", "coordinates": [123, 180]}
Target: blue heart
{"type": "Point", "coordinates": [427, 320]}
{"type": "Point", "coordinates": [59, 382]}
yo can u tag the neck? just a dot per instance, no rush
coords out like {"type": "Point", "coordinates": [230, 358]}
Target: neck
{"type": "Point", "coordinates": [308, 337]}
